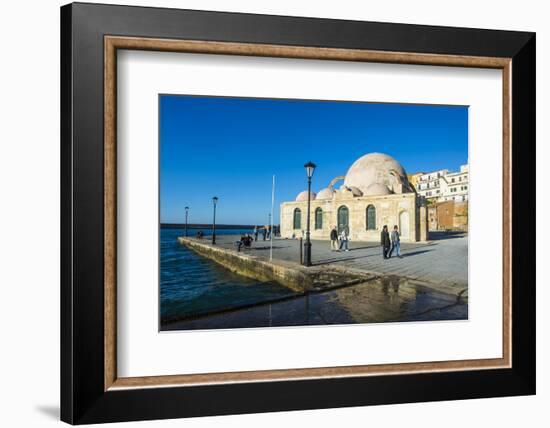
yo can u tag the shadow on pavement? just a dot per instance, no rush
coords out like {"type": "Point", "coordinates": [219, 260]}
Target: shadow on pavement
{"type": "Point", "coordinates": [440, 235]}
{"type": "Point", "coordinates": [414, 253]}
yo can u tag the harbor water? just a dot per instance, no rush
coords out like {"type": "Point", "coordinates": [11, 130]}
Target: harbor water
{"type": "Point", "coordinates": [191, 285]}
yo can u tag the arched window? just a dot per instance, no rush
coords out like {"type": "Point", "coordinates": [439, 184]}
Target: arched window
{"type": "Point", "coordinates": [343, 219]}
{"type": "Point", "coordinates": [297, 219]}
{"type": "Point", "coordinates": [371, 217]}
{"type": "Point", "coordinates": [318, 218]}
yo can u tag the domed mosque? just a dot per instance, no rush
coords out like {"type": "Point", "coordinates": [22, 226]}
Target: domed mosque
{"type": "Point", "coordinates": [375, 192]}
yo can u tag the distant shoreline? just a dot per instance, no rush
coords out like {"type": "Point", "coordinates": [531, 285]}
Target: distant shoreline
{"type": "Point", "coordinates": [207, 226]}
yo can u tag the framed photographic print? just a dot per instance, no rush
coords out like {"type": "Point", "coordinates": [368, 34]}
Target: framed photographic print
{"type": "Point", "coordinates": [265, 213]}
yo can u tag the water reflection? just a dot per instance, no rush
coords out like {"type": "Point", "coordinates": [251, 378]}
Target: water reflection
{"type": "Point", "coordinates": [392, 298]}
{"type": "Point", "coordinates": [386, 299]}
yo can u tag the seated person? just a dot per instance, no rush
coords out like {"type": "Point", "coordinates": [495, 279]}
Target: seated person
{"type": "Point", "coordinates": [240, 243]}
{"type": "Point", "coordinates": [245, 241]}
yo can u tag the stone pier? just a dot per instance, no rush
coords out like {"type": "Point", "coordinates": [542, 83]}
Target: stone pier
{"type": "Point", "coordinates": [287, 273]}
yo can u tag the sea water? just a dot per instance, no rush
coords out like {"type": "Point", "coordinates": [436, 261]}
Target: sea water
{"type": "Point", "coordinates": [191, 285]}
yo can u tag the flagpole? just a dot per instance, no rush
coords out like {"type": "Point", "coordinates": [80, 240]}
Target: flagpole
{"type": "Point", "coordinates": [272, 204]}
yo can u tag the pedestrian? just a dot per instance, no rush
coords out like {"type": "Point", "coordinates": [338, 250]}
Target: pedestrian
{"type": "Point", "coordinates": [255, 233]}
{"type": "Point", "coordinates": [385, 241]}
{"type": "Point", "coordinates": [240, 243]}
{"type": "Point", "coordinates": [334, 239]}
{"type": "Point", "coordinates": [344, 240]}
{"type": "Point", "coordinates": [264, 233]}
{"type": "Point", "coordinates": [269, 232]}
{"type": "Point", "coordinates": [395, 242]}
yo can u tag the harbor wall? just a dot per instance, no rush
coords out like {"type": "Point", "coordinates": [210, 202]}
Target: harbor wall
{"type": "Point", "coordinates": [287, 274]}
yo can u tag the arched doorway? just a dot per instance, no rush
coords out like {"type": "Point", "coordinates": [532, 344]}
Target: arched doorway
{"type": "Point", "coordinates": [404, 224]}
{"type": "Point", "coordinates": [343, 219]}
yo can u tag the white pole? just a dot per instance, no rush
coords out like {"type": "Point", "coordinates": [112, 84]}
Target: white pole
{"type": "Point", "coordinates": [271, 234]}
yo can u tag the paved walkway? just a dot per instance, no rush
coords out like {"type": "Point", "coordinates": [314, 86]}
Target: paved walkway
{"type": "Point", "coordinates": [430, 282]}
{"type": "Point", "coordinates": [441, 261]}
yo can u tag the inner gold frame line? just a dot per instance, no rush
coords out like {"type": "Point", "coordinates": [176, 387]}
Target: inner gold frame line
{"type": "Point", "coordinates": [114, 43]}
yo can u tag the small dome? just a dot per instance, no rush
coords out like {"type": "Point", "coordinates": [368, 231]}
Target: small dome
{"type": "Point", "coordinates": [377, 189]}
{"type": "Point", "coordinates": [326, 193]}
{"type": "Point", "coordinates": [302, 196]}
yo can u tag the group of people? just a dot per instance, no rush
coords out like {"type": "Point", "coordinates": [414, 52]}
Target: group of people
{"type": "Point", "coordinates": [339, 242]}
{"type": "Point", "coordinates": [265, 231]}
{"type": "Point", "coordinates": [390, 242]}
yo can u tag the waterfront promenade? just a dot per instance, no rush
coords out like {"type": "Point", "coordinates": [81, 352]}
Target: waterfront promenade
{"type": "Point", "coordinates": [443, 261]}
{"type": "Point", "coordinates": [428, 283]}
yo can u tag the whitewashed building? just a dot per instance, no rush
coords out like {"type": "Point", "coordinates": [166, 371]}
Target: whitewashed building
{"type": "Point", "coordinates": [442, 185]}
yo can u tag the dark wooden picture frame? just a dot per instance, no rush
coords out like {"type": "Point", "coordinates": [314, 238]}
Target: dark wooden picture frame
{"type": "Point", "coordinates": [90, 389]}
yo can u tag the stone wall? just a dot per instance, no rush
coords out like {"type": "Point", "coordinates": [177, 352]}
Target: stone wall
{"type": "Point", "coordinates": [449, 215]}
{"type": "Point", "coordinates": [397, 209]}
{"type": "Point", "coordinates": [461, 216]}
{"type": "Point", "coordinates": [286, 274]}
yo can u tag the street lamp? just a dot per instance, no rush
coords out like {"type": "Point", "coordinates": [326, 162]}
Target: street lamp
{"type": "Point", "coordinates": [215, 201]}
{"type": "Point", "coordinates": [310, 168]}
{"type": "Point", "coordinates": [186, 214]}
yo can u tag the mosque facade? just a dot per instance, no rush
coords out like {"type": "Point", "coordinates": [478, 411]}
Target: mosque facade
{"type": "Point", "coordinates": [375, 192]}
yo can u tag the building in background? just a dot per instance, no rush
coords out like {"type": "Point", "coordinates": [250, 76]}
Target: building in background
{"type": "Point", "coordinates": [442, 185]}
{"type": "Point", "coordinates": [447, 196]}
{"type": "Point", "coordinates": [454, 186]}
{"type": "Point", "coordinates": [429, 184]}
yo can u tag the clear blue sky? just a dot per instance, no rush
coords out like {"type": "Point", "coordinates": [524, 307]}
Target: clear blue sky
{"type": "Point", "coordinates": [231, 148]}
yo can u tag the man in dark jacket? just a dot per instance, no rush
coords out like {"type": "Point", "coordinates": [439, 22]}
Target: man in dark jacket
{"type": "Point", "coordinates": [334, 239]}
{"type": "Point", "coordinates": [385, 241]}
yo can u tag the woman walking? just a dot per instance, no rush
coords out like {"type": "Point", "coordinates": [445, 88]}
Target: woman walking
{"type": "Point", "coordinates": [344, 240]}
{"type": "Point", "coordinates": [395, 242]}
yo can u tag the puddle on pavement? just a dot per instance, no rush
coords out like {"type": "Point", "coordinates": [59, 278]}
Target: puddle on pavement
{"type": "Point", "coordinates": [386, 299]}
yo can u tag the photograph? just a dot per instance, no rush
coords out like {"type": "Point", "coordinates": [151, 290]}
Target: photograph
{"type": "Point", "coordinates": [296, 212]}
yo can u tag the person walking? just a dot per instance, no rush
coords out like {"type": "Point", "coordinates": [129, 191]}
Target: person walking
{"type": "Point", "coordinates": [334, 239]}
{"type": "Point", "coordinates": [395, 242]}
{"type": "Point", "coordinates": [385, 241]}
{"type": "Point", "coordinates": [264, 233]}
{"type": "Point", "coordinates": [344, 240]}
{"type": "Point", "coordinates": [255, 233]}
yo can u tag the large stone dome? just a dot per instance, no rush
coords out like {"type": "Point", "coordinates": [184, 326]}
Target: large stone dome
{"type": "Point", "coordinates": [379, 169]}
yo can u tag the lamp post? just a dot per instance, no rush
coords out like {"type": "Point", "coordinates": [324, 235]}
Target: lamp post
{"type": "Point", "coordinates": [215, 201]}
{"type": "Point", "coordinates": [186, 214]}
{"type": "Point", "coordinates": [310, 168]}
